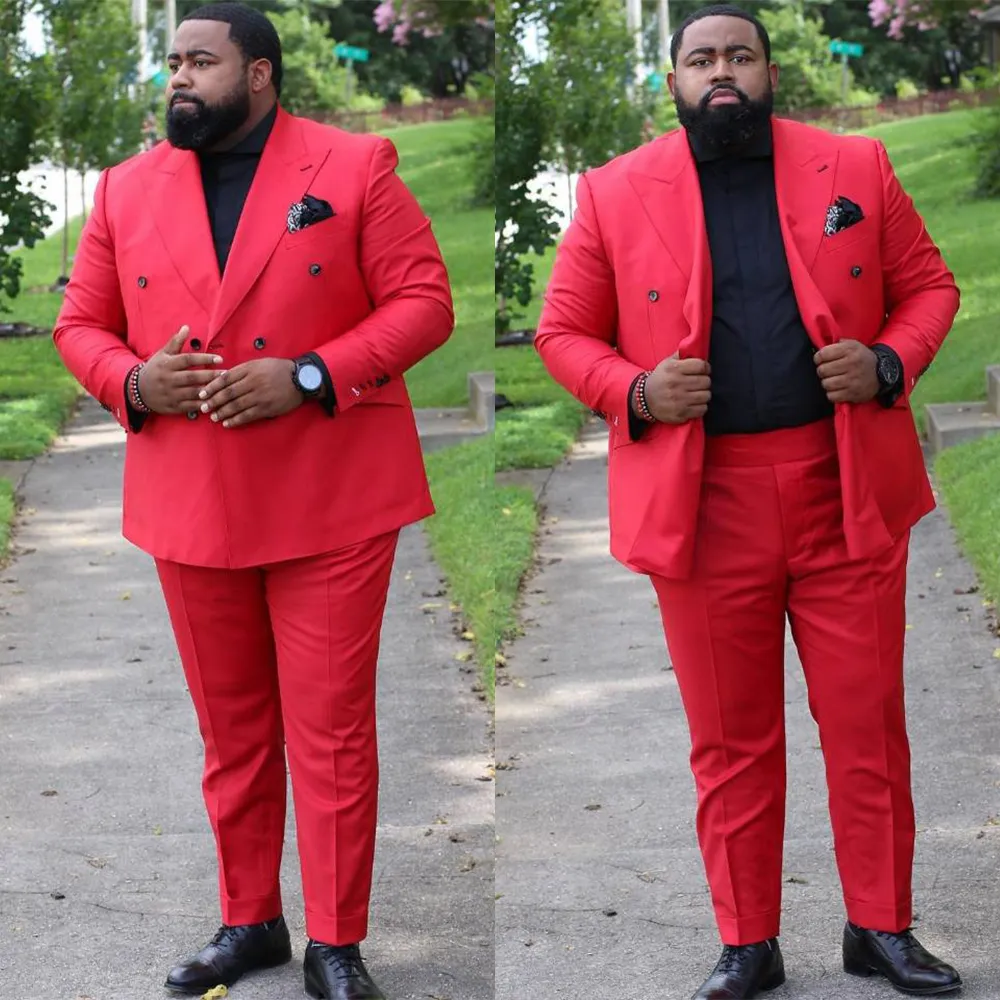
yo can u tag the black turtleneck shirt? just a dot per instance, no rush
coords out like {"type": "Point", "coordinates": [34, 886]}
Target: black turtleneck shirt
{"type": "Point", "coordinates": [763, 374]}
{"type": "Point", "coordinates": [226, 178]}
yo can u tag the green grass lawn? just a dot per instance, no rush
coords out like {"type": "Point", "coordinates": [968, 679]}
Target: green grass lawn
{"type": "Point", "coordinates": [462, 535]}
{"type": "Point", "coordinates": [968, 477]}
{"type": "Point", "coordinates": [544, 420]}
{"type": "Point", "coordinates": [935, 163]}
{"type": "Point", "coordinates": [436, 163]}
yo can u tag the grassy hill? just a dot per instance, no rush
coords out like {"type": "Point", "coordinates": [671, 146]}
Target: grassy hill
{"type": "Point", "coordinates": [934, 161]}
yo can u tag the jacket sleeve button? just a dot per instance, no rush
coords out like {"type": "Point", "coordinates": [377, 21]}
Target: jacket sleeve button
{"type": "Point", "coordinates": [259, 343]}
{"type": "Point", "coordinates": [192, 414]}
{"type": "Point", "coordinates": [855, 271]}
{"type": "Point", "coordinates": [654, 295]}
{"type": "Point", "coordinates": [314, 269]}
{"type": "Point", "coordinates": [142, 281]}
{"type": "Point", "coordinates": [195, 344]}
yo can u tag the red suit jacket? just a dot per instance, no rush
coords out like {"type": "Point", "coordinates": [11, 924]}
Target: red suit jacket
{"type": "Point", "coordinates": [366, 290]}
{"type": "Point", "coordinates": [632, 284]}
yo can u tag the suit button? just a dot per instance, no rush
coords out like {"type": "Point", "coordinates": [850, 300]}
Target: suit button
{"type": "Point", "coordinates": [654, 295]}
{"type": "Point", "coordinates": [195, 344]}
{"type": "Point", "coordinates": [142, 281]}
{"type": "Point", "coordinates": [259, 343]}
{"type": "Point", "coordinates": [314, 269]}
{"type": "Point", "coordinates": [192, 414]}
{"type": "Point", "coordinates": [855, 271]}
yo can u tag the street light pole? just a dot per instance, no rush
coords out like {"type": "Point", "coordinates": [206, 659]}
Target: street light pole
{"type": "Point", "coordinates": [663, 17]}
{"type": "Point", "coordinates": [171, 10]}
{"type": "Point", "coordinates": [140, 12]}
{"type": "Point", "coordinates": [633, 18]}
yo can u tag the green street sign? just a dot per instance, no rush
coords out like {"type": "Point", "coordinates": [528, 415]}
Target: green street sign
{"type": "Point", "coordinates": [351, 52]}
{"type": "Point", "coordinates": [839, 48]}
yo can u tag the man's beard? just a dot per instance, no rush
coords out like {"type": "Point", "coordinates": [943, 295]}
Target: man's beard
{"type": "Point", "coordinates": [725, 126]}
{"type": "Point", "coordinates": [210, 123]}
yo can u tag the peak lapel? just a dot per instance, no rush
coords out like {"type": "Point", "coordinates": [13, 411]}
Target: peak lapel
{"type": "Point", "coordinates": [804, 178]}
{"type": "Point", "coordinates": [283, 176]}
{"type": "Point", "coordinates": [177, 203]}
{"type": "Point", "coordinates": [669, 191]}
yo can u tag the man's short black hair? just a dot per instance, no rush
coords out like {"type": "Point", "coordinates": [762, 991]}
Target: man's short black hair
{"type": "Point", "coordinates": [719, 10]}
{"type": "Point", "coordinates": [250, 30]}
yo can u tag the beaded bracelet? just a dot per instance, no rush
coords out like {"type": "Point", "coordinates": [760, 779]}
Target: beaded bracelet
{"type": "Point", "coordinates": [640, 398]}
{"type": "Point", "coordinates": [135, 398]}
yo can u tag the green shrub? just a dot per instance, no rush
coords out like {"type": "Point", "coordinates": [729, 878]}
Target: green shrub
{"type": "Point", "coordinates": [410, 96]}
{"type": "Point", "coordinates": [988, 154]}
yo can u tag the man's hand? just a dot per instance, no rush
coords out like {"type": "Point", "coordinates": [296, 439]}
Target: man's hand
{"type": "Point", "coordinates": [848, 371]}
{"type": "Point", "coordinates": [168, 383]}
{"type": "Point", "coordinates": [252, 391]}
{"type": "Point", "coordinates": [678, 391]}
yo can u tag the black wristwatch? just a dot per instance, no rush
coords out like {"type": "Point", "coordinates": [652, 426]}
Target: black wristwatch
{"type": "Point", "coordinates": [308, 377]}
{"type": "Point", "coordinates": [889, 370]}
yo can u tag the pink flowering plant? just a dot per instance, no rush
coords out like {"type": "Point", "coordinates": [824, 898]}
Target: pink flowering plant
{"type": "Point", "coordinates": [921, 14]}
{"type": "Point", "coordinates": [429, 17]}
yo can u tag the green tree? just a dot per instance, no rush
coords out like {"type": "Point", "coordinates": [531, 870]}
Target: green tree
{"type": "Point", "coordinates": [93, 53]}
{"type": "Point", "coordinates": [809, 76]}
{"type": "Point", "coordinates": [24, 107]}
{"type": "Point", "coordinates": [589, 65]}
{"type": "Point", "coordinates": [314, 81]}
{"type": "Point", "coordinates": [524, 223]}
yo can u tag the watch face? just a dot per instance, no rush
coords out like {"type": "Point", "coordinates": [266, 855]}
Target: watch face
{"type": "Point", "coordinates": [888, 370]}
{"type": "Point", "coordinates": [309, 377]}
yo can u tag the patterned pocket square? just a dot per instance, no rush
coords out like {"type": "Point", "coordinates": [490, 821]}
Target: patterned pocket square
{"type": "Point", "coordinates": [308, 212]}
{"type": "Point", "coordinates": [841, 215]}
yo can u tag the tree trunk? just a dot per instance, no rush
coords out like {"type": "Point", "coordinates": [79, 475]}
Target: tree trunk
{"type": "Point", "coordinates": [83, 193]}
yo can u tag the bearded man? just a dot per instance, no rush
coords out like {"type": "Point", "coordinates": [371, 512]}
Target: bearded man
{"type": "Point", "coordinates": [245, 300]}
{"type": "Point", "coordinates": [750, 303]}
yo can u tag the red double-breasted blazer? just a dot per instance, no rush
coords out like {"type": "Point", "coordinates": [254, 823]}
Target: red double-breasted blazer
{"type": "Point", "coordinates": [639, 229]}
{"type": "Point", "coordinates": [366, 290]}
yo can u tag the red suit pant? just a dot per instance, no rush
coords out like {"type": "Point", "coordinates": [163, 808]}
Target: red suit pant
{"type": "Point", "coordinates": [285, 656]}
{"type": "Point", "coordinates": [770, 543]}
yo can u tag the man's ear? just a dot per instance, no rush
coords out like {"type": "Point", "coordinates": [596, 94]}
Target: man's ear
{"type": "Point", "coordinates": [260, 75]}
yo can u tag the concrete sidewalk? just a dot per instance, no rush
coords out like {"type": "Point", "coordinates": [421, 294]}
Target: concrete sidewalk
{"type": "Point", "coordinates": [107, 864]}
{"type": "Point", "coordinates": [601, 890]}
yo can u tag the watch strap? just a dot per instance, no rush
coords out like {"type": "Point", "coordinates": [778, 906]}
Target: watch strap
{"type": "Point", "coordinates": [328, 400]}
{"type": "Point", "coordinates": [888, 392]}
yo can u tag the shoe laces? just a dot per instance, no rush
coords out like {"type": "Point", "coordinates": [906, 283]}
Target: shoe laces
{"type": "Point", "coordinates": [734, 957]}
{"type": "Point", "coordinates": [346, 962]}
{"type": "Point", "coordinates": [224, 934]}
{"type": "Point", "coordinates": [904, 940]}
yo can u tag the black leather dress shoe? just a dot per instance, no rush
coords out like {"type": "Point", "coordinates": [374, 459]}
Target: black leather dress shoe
{"type": "Point", "coordinates": [338, 973]}
{"type": "Point", "coordinates": [233, 952]}
{"type": "Point", "coordinates": [901, 958]}
{"type": "Point", "coordinates": [743, 970]}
